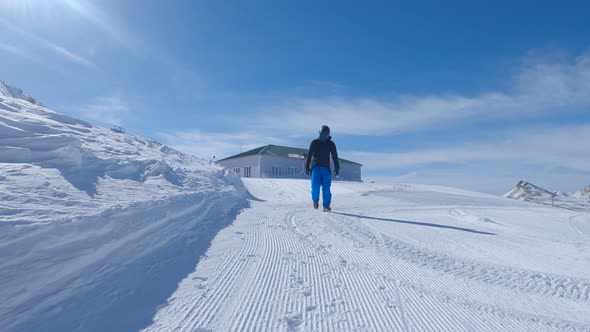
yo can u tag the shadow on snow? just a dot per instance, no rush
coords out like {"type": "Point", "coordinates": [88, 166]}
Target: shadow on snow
{"type": "Point", "coordinates": [117, 268]}
{"type": "Point", "coordinates": [419, 223]}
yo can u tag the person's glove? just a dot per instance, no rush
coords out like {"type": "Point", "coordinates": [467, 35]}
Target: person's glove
{"type": "Point", "coordinates": [336, 172]}
{"type": "Point", "coordinates": [307, 171]}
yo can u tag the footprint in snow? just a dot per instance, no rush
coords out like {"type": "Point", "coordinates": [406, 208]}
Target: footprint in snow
{"type": "Point", "coordinates": [306, 292]}
{"type": "Point", "coordinates": [294, 320]}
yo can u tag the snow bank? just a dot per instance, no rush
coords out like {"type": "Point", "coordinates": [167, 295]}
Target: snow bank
{"type": "Point", "coordinates": [97, 227]}
{"type": "Point", "coordinates": [8, 90]}
{"type": "Point", "coordinates": [46, 155]}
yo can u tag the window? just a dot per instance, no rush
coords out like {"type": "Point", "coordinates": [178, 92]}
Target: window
{"type": "Point", "coordinates": [292, 171]}
{"type": "Point", "coordinates": [356, 176]}
{"type": "Point", "coordinates": [276, 171]}
{"type": "Point", "coordinates": [247, 171]}
{"type": "Point", "coordinates": [237, 170]}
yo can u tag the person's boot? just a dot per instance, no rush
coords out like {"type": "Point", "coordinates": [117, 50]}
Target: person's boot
{"type": "Point", "coordinates": [316, 205]}
{"type": "Point", "coordinates": [327, 209]}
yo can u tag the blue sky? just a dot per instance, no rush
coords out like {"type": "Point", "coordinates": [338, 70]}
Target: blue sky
{"type": "Point", "coordinates": [469, 95]}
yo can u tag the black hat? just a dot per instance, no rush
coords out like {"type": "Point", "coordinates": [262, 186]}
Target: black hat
{"type": "Point", "coordinates": [325, 130]}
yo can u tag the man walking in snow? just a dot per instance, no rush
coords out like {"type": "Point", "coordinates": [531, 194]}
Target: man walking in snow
{"type": "Point", "coordinates": [318, 165]}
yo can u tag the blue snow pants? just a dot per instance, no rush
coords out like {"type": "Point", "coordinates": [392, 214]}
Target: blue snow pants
{"type": "Point", "coordinates": [321, 176]}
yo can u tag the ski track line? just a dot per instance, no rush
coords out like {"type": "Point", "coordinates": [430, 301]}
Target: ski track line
{"type": "Point", "coordinates": [212, 292]}
{"type": "Point", "coordinates": [519, 279]}
{"type": "Point", "coordinates": [393, 294]}
{"type": "Point", "coordinates": [573, 224]}
{"type": "Point", "coordinates": [439, 323]}
{"type": "Point", "coordinates": [439, 286]}
{"type": "Point", "coordinates": [404, 327]}
{"type": "Point", "coordinates": [259, 294]}
{"type": "Point", "coordinates": [566, 323]}
{"type": "Point", "coordinates": [386, 298]}
{"type": "Point", "coordinates": [464, 290]}
{"type": "Point", "coordinates": [389, 298]}
{"type": "Point", "coordinates": [251, 244]}
{"type": "Point", "coordinates": [365, 308]}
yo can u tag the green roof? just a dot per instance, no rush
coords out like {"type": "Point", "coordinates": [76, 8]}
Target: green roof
{"type": "Point", "coordinates": [280, 151]}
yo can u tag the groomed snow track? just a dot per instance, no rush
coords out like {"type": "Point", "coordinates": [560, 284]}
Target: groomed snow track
{"type": "Point", "coordinates": [283, 266]}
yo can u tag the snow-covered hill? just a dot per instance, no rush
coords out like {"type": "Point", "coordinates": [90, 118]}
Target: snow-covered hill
{"type": "Point", "coordinates": [50, 161]}
{"type": "Point", "coordinates": [96, 224]}
{"type": "Point", "coordinates": [583, 193]}
{"type": "Point", "coordinates": [527, 191]}
{"type": "Point", "coordinates": [10, 91]}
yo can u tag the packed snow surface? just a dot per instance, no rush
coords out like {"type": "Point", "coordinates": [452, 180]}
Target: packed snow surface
{"type": "Point", "coordinates": [389, 258]}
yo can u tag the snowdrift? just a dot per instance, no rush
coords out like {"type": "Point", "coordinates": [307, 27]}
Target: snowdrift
{"type": "Point", "coordinates": [95, 222]}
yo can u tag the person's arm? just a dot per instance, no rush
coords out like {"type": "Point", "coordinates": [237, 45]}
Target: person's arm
{"type": "Point", "coordinates": [335, 159]}
{"type": "Point", "coordinates": [308, 159]}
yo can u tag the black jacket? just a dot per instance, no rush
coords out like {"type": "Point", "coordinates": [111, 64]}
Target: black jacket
{"type": "Point", "coordinates": [319, 154]}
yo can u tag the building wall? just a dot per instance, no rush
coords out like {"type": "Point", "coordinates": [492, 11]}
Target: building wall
{"type": "Point", "coordinates": [252, 161]}
{"type": "Point", "coordinates": [267, 163]}
{"type": "Point", "coordinates": [262, 166]}
{"type": "Point", "coordinates": [348, 172]}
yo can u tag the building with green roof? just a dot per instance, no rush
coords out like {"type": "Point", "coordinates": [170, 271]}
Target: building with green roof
{"type": "Point", "coordinates": [274, 161]}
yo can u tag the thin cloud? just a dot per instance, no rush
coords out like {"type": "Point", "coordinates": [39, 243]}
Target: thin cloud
{"type": "Point", "coordinates": [487, 180]}
{"type": "Point", "coordinates": [55, 48]}
{"type": "Point", "coordinates": [12, 49]}
{"type": "Point", "coordinates": [18, 52]}
{"type": "Point", "coordinates": [539, 87]}
{"type": "Point", "coordinates": [220, 145]}
{"type": "Point", "coordinates": [551, 148]}
{"type": "Point", "coordinates": [70, 56]}
{"type": "Point", "coordinates": [107, 110]}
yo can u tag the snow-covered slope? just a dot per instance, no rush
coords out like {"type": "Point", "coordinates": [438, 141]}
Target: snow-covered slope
{"type": "Point", "coordinates": [10, 91]}
{"type": "Point", "coordinates": [389, 258]}
{"type": "Point", "coordinates": [97, 227]}
{"type": "Point", "coordinates": [49, 161]}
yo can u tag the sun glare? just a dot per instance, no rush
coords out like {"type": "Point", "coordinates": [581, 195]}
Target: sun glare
{"type": "Point", "coordinates": [31, 11]}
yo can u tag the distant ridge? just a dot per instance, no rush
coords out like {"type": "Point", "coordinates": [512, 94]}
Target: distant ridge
{"type": "Point", "coordinates": [582, 193]}
{"type": "Point", "coordinates": [525, 191]}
